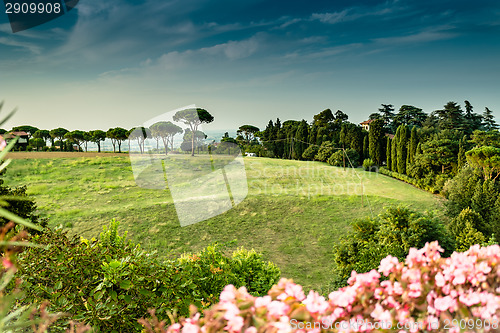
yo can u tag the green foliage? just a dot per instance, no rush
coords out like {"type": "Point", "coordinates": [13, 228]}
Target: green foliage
{"type": "Point", "coordinates": [325, 151]}
{"type": "Point", "coordinates": [388, 153]}
{"type": "Point", "coordinates": [486, 158]}
{"type": "Point", "coordinates": [468, 228]}
{"type": "Point", "coordinates": [112, 282]}
{"type": "Point", "coordinates": [402, 148]}
{"type": "Point", "coordinates": [337, 158]}
{"type": "Point", "coordinates": [310, 152]}
{"type": "Point", "coordinates": [376, 141]}
{"type": "Point", "coordinates": [392, 233]}
{"type": "Point", "coordinates": [368, 164]}
{"type": "Point", "coordinates": [467, 237]}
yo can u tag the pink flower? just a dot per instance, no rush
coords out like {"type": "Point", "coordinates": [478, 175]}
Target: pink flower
{"type": "Point", "coordinates": [234, 324]}
{"type": "Point", "coordinates": [228, 294]}
{"type": "Point", "coordinates": [343, 297]}
{"type": "Point", "coordinates": [262, 301]}
{"type": "Point", "coordinates": [292, 290]}
{"type": "Point", "coordinates": [381, 315]}
{"type": "Point", "coordinates": [3, 144]}
{"type": "Point", "coordinates": [251, 329]}
{"type": "Point", "coordinates": [175, 328]}
{"type": "Point", "coordinates": [276, 309]}
{"type": "Point", "coordinates": [387, 265]}
{"type": "Point", "coordinates": [445, 303]}
{"type": "Point", "coordinates": [7, 263]}
{"type": "Point", "coordinates": [414, 290]}
{"type": "Point", "coordinates": [440, 281]}
{"type": "Point", "coordinates": [315, 303]}
{"type": "Point", "coordinates": [283, 325]}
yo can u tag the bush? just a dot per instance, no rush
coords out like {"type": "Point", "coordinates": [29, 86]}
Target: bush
{"type": "Point", "coordinates": [392, 233]}
{"type": "Point", "coordinates": [420, 183]}
{"type": "Point", "coordinates": [337, 158]}
{"type": "Point", "coordinates": [368, 164]}
{"type": "Point", "coordinates": [310, 152]}
{"type": "Point", "coordinates": [424, 293]}
{"type": "Point", "coordinates": [111, 282]}
{"type": "Point", "coordinates": [325, 151]}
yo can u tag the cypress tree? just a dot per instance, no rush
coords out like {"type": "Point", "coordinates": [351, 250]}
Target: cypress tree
{"type": "Point", "coordinates": [366, 154]}
{"type": "Point", "coordinates": [300, 138]}
{"type": "Point", "coordinates": [376, 140]}
{"type": "Point", "coordinates": [388, 153]}
{"type": "Point", "coordinates": [402, 149]}
{"type": "Point", "coordinates": [394, 155]}
{"type": "Point", "coordinates": [413, 144]}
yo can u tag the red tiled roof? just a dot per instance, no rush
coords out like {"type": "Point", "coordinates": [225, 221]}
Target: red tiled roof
{"type": "Point", "coordinates": [366, 122]}
{"type": "Point", "coordinates": [20, 133]}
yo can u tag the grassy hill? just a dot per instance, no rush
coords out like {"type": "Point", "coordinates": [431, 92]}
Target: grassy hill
{"type": "Point", "coordinates": [294, 212]}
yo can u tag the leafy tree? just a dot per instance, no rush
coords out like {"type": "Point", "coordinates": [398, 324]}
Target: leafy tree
{"type": "Point", "coordinates": [376, 141]}
{"type": "Point", "coordinates": [468, 236]}
{"type": "Point", "coordinates": [42, 134]}
{"type": "Point", "coordinates": [119, 135]}
{"type": "Point", "coordinates": [96, 137]}
{"type": "Point", "coordinates": [440, 152]}
{"type": "Point", "coordinates": [37, 142]}
{"type": "Point", "coordinates": [340, 117]}
{"type": "Point", "coordinates": [140, 134]}
{"type": "Point", "coordinates": [489, 122]}
{"type": "Point", "coordinates": [189, 138]}
{"type": "Point", "coordinates": [338, 158]}
{"type": "Point", "coordinates": [489, 138]}
{"type": "Point", "coordinates": [300, 141]}
{"type": "Point", "coordinates": [393, 232]}
{"type": "Point", "coordinates": [487, 158]}
{"type": "Point", "coordinates": [166, 130]}
{"type": "Point", "coordinates": [86, 139]}
{"type": "Point", "coordinates": [310, 152]}
{"type": "Point", "coordinates": [459, 191]}
{"type": "Point", "coordinates": [451, 117]}
{"type": "Point", "coordinates": [324, 118]}
{"type": "Point", "coordinates": [193, 118]}
{"type": "Point", "coordinates": [248, 131]}
{"type": "Point", "coordinates": [325, 151]}
{"type": "Point", "coordinates": [58, 133]}
{"type": "Point", "coordinates": [409, 115]}
{"type": "Point", "coordinates": [26, 128]}
{"type": "Point", "coordinates": [483, 202]}
{"type": "Point", "coordinates": [76, 136]}
{"type": "Point", "coordinates": [474, 219]}
{"type": "Point", "coordinates": [375, 116]}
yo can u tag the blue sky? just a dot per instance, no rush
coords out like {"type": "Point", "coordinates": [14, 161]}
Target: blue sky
{"type": "Point", "coordinates": [120, 63]}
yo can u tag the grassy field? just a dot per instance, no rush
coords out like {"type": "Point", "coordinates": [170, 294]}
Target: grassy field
{"type": "Point", "coordinates": [294, 212]}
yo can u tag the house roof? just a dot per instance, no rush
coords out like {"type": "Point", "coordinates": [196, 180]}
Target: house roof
{"type": "Point", "coordinates": [390, 136]}
{"type": "Point", "coordinates": [19, 133]}
{"type": "Point", "coordinates": [367, 122]}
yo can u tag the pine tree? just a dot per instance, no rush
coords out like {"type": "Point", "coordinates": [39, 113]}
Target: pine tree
{"type": "Point", "coordinates": [489, 122]}
{"type": "Point", "coordinates": [388, 153]}
{"type": "Point", "coordinates": [402, 149]}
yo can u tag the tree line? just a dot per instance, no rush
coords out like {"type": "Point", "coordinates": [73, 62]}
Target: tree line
{"type": "Point", "coordinates": [162, 131]}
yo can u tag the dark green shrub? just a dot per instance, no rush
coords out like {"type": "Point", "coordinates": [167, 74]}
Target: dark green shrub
{"type": "Point", "coordinates": [111, 282]}
{"type": "Point", "coordinates": [392, 233]}
{"type": "Point", "coordinates": [368, 164]}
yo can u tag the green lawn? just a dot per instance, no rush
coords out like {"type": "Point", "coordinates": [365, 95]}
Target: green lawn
{"type": "Point", "coordinates": [294, 212]}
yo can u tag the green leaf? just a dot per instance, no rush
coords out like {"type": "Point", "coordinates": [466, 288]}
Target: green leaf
{"type": "Point", "coordinates": [58, 285]}
{"type": "Point", "coordinates": [125, 284]}
{"type": "Point", "coordinates": [114, 264]}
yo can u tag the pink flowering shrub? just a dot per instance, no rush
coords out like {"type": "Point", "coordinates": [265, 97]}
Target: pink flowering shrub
{"type": "Point", "coordinates": [423, 294]}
